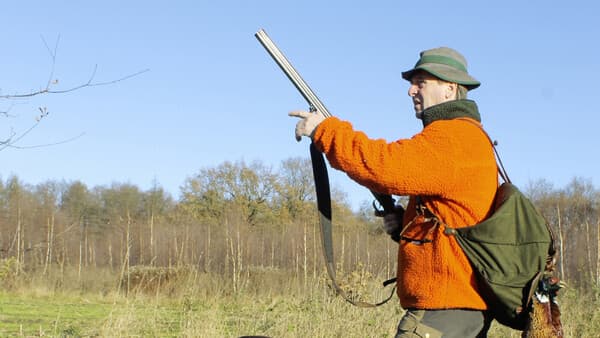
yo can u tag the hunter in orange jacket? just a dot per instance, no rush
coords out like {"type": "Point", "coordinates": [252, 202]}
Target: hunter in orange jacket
{"type": "Point", "coordinates": [448, 170]}
{"type": "Point", "coordinates": [451, 166]}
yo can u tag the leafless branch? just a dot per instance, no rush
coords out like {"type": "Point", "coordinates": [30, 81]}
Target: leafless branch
{"type": "Point", "coordinates": [42, 145]}
{"type": "Point", "coordinates": [89, 83]}
{"type": "Point", "coordinates": [11, 141]}
{"type": "Point", "coordinates": [53, 57]}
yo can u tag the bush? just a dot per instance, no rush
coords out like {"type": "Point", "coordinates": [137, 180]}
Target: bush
{"type": "Point", "coordinates": [8, 272]}
{"type": "Point", "coordinates": [151, 279]}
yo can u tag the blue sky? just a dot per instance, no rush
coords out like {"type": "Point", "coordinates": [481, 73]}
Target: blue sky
{"type": "Point", "coordinates": [212, 94]}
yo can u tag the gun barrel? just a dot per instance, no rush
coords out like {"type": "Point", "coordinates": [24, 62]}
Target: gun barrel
{"type": "Point", "coordinates": [387, 202]}
{"type": "Point", "coordinates": [291, 73]}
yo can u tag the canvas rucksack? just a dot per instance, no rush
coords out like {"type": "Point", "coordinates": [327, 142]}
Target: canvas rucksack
{"type": "Point", "coordinates": [512, 251]}
{"type": "Point", "coordinates": [509, 251]}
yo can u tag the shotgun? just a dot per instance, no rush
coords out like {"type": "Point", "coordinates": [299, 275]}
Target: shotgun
{"type": "Point", "coordinates": [319, 167]}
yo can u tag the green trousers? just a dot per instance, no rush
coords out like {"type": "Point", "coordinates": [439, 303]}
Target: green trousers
{"type": "Point", "coordinates": [454, 323]}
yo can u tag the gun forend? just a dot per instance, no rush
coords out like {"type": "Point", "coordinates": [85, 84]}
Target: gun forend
{"type": "Point", "coordinates": [291, 73]}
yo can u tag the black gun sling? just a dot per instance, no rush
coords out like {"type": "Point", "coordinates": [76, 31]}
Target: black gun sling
{"type": "Point", "coordinates": [321, 178]}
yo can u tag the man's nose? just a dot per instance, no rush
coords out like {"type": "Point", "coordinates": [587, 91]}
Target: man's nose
{"type": "Point", "coordinates": [412, 91]}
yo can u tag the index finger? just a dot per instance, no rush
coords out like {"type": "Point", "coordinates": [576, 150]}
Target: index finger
{"type": "Point", "coordinates": [299, 113]}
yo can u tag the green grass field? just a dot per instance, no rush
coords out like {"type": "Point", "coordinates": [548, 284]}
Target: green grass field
{"type": "Point", "coordinates": [269, 303]}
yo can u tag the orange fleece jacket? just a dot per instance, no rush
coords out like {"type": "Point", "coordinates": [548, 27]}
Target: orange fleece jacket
{"type": "Point", "coordinates": [451, 165]}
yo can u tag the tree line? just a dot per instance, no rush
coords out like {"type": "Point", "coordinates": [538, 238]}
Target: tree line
{"type": "Point", "coordinates": [237, 217]}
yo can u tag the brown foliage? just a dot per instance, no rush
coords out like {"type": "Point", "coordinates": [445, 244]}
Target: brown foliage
{"type": "Point", "coordinates": [232, 219]}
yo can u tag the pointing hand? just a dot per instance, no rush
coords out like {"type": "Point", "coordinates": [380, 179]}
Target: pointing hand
{"type": "Point", "coordinates": [307, 124]}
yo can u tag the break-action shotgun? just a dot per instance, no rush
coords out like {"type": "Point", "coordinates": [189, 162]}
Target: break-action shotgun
{"type": "Point", "coordinates": [387, 202]}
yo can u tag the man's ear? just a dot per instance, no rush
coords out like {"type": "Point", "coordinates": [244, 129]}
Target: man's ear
{"type": "Point", "coordinates": [451, 90]}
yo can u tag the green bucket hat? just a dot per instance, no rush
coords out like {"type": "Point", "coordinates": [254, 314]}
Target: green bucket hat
{"type": "Point", "coordinates": [444, 63]}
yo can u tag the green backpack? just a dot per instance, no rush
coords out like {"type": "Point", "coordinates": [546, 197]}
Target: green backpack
{"type": "Point", "coordinates": [511, 251]}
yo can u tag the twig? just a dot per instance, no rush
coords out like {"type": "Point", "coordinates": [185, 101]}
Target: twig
{"type": "Point", "coordinates": [87, 84]}
{"type": "Point", "coordinates": [10, 145]}
{"type": "Point", "coordinates": [53, 57]}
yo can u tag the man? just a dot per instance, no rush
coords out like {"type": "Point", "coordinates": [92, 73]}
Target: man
{"type": "Point", "coordinates": [448, 170]}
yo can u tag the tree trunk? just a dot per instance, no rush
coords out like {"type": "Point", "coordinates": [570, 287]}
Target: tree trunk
{"type": "Point", "coordinates": [50, 239]}
{"type": "Point", "coordinates": [152, 238]}
{"type": "Point", "coordinates": [560, 241]}
{"type": "Point", "coordinates": [598, 256]}
{"type": "Point", "coordinates": [20, 243]}
{"type": "Point", "coordinates": [589, 251]}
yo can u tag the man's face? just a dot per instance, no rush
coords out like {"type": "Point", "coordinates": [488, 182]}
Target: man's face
{"type": "Point", "coordinates": [427, 90]}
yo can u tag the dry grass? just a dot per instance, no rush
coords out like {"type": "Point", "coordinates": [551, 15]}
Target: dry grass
{"type": "Point", "coordinates": [218, 280]}
{"type": "Point", "coordinates": [269, 302]}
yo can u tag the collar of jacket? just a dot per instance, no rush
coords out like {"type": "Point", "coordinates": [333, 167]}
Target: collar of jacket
{"type": "Point", "coordinates": [451, 110]}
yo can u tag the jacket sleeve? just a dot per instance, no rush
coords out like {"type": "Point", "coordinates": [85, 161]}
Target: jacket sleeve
{"type": "Point", "coordinates": [434, 162]}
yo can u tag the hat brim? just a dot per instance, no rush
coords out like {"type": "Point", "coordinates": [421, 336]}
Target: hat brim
{"type": "Point", "coordinates": [445, 73]}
